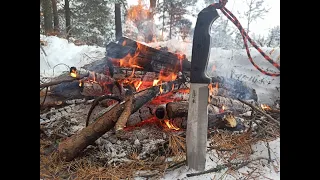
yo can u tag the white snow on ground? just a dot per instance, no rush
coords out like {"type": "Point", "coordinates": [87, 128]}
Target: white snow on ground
{"type": "Point", "coordinates": [236, 64]}
{"type": "Point", "coordinates": [228, 63]}
{"type": "Point", "coordinates": [60, 51]}
{"type": "Point", "coordinates": [271, 171]}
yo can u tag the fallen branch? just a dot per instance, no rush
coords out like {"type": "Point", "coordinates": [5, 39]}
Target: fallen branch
{"type": "Point", "coordinates": [67, 79]}
{"type": "Point", "coordinates": [72, 146]}
{"type": "Point", "coordinates": [236, 166]}
{"type": "Point", "coordinates": [122, 120]}
{"type": "Point", "coordinates": [260, 111]}
{"type": "Point", "coordinates": [96, 102]}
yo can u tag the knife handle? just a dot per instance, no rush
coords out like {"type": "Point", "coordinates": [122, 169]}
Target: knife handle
{"type": "Point", "coordinates": [201, 45]}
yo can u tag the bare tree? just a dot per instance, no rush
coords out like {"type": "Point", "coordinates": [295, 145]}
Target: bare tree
{"type": "Point", "coordinates": [67, 14]}
{"type": "Point", "coordinates": [55, 16]}
{"type": "Point", "coordinates": [47, 15]}
{"type": "Point", "coordinates": [274, 37]}
{"type": "Point", "coordinates": [255, 10]}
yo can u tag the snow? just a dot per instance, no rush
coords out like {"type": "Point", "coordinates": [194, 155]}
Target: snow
{"type": "Point", "coordinates": [229, 63]}
{"type": "Point", "coordinates": [260, 150]}
{"type": "Point", "coordinates": [235, 64]}
{"type": "Point", "coordinates": [59, 51]}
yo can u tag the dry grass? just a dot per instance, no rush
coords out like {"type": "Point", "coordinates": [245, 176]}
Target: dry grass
{"type": "Point", "coordinates": [90, 167]}
{"type": "Point", "coordinates": [231, 146]}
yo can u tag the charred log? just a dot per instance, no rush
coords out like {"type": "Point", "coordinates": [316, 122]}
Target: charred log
{"type": "Point", "coordinates": [63, 79]}
{"type": "Point", "coordinates": [94, 84]}
{"type": "Point", "coordinates": [224, 120]}
{"type": "Point", "coordinates": [150, 59]}
{"type": "Point", "coordinates": [230, 104]}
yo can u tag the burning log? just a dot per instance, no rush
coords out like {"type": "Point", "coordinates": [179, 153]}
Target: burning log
{"type": "Point", "coordinates": [178, 112]}
{"type": "Point", "coordinates": [93, 84]}
{"type": "Point", "coordinates": [72, 146]}
{"type": "Point", "coordinates": [148, 58]}
{"type": "Point", "coordinates": [63, 79]}
{"type": "Point", "coordinates": [230, 104]}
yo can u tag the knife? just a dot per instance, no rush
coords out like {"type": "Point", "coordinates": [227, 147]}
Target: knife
{"type": "Point", "coordinates": [197, 123]}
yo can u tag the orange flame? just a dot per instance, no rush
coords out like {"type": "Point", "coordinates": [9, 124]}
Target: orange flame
{"type": "Point", "coordinates": [73, 75]}
{"type": "Point", "coordinates": [137, 84]}
{"type": "Point", "coordinates": [155, 82]}
{"type": "Point", "coordinates": [265, 107]}
{"type": "Point", "coordinates": [170, 125]}
{"type": "Point", "coordinates": [124, 43]}
{"type": "Point", "coordinates": [161, 90]}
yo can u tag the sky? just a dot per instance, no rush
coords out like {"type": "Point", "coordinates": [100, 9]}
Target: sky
{"type": "Point", "coordinates": [261, 26]}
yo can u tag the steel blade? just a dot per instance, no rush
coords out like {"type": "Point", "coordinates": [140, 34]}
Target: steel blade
{"type": "Point", "coordinates": [197, 126]}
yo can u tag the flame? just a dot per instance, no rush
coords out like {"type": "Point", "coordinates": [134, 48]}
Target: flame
{"type": "Point", "coordinates": [128, 61]}
{"type": "Point", "coordinates": [184, 90]}
{"type": "Point", "coordinates": [155, 82]}
{"type": "Point", "coordinates": [265, 107]}
{"type": "Point", "coordinates": [137, 84]}
{"type": "Point", "coordinates": [170, 77]}
{"type": "Point", "coordinates": [161, 90]}
{"type": "Point", "coordinates": [222, 109]}
{"type": "Point", "coordinates": [124, 43]}
{"type": "Point", "coordinates": [213, 91]}
{"type": "Point", "coordinates": [73, 74]}
{"type": "Point", "coordinates": [170, 125]}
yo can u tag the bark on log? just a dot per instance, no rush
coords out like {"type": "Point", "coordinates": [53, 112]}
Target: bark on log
{"type": "Point", "coordinates": [149, 58]}
{"type": "Point", "coordinates": [72, 146]}
{"type": "Point", "coordinates": [224, 120]}
{"type": "Point", "coordinates": [122, 120]}
{"type": "Point", "coordinates": [63, 79]}
{"type": "Point", "coordinates": [93, 84]}
{"type": "Point", "coordinates": [230, 104]}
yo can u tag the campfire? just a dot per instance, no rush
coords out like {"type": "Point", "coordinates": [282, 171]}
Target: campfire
{"type": "Point", "coordinates": [131, 104]}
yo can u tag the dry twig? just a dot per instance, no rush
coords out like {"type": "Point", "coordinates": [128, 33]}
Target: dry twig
{"type": "Point", "coordinates": [236, 166]}
{"type": "Point", "coordinates": [261, 112]}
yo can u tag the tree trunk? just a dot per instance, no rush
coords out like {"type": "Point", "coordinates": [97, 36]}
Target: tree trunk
{"type": "Point", "coordinates": [170, 24]}
{"type": "Point", "coordinates": [163, 10]}
{"type": "Point", "coordinates": [47, 13]}
{"type": "Point", "coordinates": [118, 21]}
{"type": "Point", "coordinates": [68, 19]}
{"type": "Point", "coordinates": [55, 16]}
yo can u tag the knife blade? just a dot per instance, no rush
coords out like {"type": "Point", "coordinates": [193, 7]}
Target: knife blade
{"type": "Point", "coordinates": [197, 123]}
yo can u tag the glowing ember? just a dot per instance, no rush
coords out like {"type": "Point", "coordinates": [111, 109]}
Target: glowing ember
{"type": "Point", "coordinates": [184, 90]}
{"type": "Point", "coordinates": [161, 90]}
{"type": "Point", "coordinates": [221, 110]}
{"type": "Point", "coordinates": [265, 107]}
{"type": "Point", "coordinates": [73, 75]}
{"type": "Point", "coordinates": [170, 125]}
{"type": "Point", "coordinates": [155, 82]}
{"type": "Point", "coordinates": [73, 72]}
{"type": "Point", "coordinates": [137, 84]}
